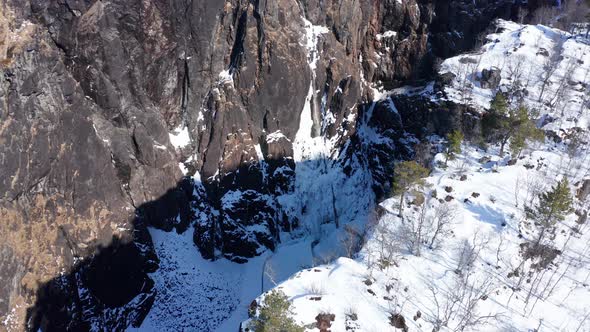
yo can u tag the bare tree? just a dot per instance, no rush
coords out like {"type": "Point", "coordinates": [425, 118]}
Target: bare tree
{"type": "Point", "coordinates": [470, 73]}
{"type": "Point", "coordinates": [466, 256]}
{"type": "Point", "coordinates": [549, 68]}
{"type": "Point", "coordinates": [533, 186]}
{"type": "Point", "coordinates": [516, 68]}
{"type": "Point", "coordinates": [269, 272]}
{"type": "Point", "coordinates": [471, 293]}
{"type": "Point", "coordinates": [444, 215]}
{"type": "Point", "coordinates": [522, 14]}
{"type": "Point", "coordinates": [585, 102]}
{"type": "Point", "coordinates": [563, 83]}
{"type": "Point", "coordinates": [458, 306]}
{"type": "Point", "coordinates": [573, 15]}
{"type": "Point", "coordinates": [517, 189]}
{"type": "Point", "coordinates": [413, 230]}
{"type": "Point", "coordinates": [500, 248]}
{"type": "Point", "coordinates": [582, 322]}
{"type": "Point", "coordinates": [351, 240]}
{"type": "Point", "coordinates": [544, 15]}
{"type": "Point", "coordinates": [387, 242]}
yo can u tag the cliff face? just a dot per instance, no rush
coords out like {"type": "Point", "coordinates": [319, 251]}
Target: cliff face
{"type": "Point", "coordinates": [90, 91]}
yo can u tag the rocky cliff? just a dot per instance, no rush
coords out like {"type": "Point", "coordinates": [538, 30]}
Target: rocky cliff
{"type": "Point", "coordinates": [105, 104]}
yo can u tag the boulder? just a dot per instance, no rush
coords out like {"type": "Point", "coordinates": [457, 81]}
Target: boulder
{"type": "Point", "coordinates": [446, 78]}
{"type": "Point", "coordinates": [398, 321]}
{"type": "Point", "coordinates": [582, 216]}
{"type": "Point", "coordinates": [584, 190]}
{"type": "Point", "coordinates": [324, 321]}
{"type": "Point", "coordinates": [490, 78]}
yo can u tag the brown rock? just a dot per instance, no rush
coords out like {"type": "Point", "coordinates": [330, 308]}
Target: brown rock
{"type": "Point", "coordinates": [398, 321]}
{"type": "Point", "coordinates": [324, 321]}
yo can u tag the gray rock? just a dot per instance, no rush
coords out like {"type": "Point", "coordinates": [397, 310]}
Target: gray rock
{"type": "Point", "coordinates": [490, 78]}
{"type": "Point", "coordinates": [584, 190]}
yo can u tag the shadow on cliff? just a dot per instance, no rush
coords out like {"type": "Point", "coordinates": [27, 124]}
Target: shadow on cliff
{"type": "Point", "coordinates": [111, 290]}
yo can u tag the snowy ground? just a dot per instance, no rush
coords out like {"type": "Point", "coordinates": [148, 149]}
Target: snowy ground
{"type": "Point", "coordinates": [192, 291]}
{"type": "Point", "coordinates": [214, 296]}
{"type": "Point", "coordinates": [551, 68]}
{"type": "Point", "coordinates": [492, 222]}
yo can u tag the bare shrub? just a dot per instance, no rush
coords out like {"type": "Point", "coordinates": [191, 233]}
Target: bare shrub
{"type": "Point", "coordinates": [458, 306]}
{"type": "Point", "coordinates": [387, 241]}
{"type": "Point", "coordinates": [413, 230]}
{"type": "Point", "coordinates": [351, 240]}
{"type": "Point", "coordinates": [316, 288]}
{"type": "Point", "coordinates": [444, 215]}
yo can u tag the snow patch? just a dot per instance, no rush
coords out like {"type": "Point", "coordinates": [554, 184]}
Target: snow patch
{"type": "Point", "coordinates": [180, 137]}
{"type": "Point", "coordinates": [386, 35]}
{"type": "Point", "coordinates": [225, 76]}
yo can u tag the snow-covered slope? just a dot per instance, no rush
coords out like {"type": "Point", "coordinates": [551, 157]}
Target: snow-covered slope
{"type": "Point", "coordinates": [547, 69]}
{"type": "Point", "coordinates": [494, 222]}
{"type": "Point", "coordinates": [474, 277]}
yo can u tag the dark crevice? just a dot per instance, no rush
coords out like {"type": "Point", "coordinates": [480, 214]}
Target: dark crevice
{"type": "Point", "coordinates": [185, 92]}
{"type": "Point", "coordinates": [238, 47]}
{"type": "Point", "coordinates": [261, 35]}
{"type": "Point", "coordinates": [136, 149]}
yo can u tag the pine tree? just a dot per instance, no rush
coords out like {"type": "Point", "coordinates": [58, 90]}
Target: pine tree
{"type": "Point", "coordinates": [525, 130]}
{"type": "Point", "coordinates": [454, 140]}
{"type": "Point", "coordinates": [495, 123]}
{"type": "Point", "coordinates": [499, 104]}
{"type": "Point", "coordinates": [275, 315]}
{"type": "Point", "coordinates": [405, 175]}
{"type": "Point", "coordinates": [553, 206]}
{"type": "Point", "coordinates": [503, 124]}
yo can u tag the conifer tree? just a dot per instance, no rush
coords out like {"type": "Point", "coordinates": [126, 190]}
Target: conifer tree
{"type": "Point", "coordinates": [524, 130]}
{"type": "Point", "coordinates": [495, 124]}
{"type": "Point", "coordinates": [453, 146]}
{"type": "Point", "coordinates": [552, 207]}
{"type": "Point", "coordinates": [275, 315]}
{"type": "Point", "coordinates": [503, 124]}
{"type": "Point", "coordinates": [405, 175]}
{"type": "Point", "coordinates": [499, 104]}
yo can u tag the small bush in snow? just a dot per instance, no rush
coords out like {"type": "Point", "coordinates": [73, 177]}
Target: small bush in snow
{"type": "Point", "coordinates": [316, 289]}
{"type": "Point", "coordinates": [351, 313]}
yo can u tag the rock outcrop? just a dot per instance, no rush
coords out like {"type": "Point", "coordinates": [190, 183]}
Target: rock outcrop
{"type": "Point", "coordinates": [490, 78]}
{"type": "Point", "coordinates": [90, 91]}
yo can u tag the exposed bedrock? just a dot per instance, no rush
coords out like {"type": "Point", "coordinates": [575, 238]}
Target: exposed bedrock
{"type": "Point", "coordinates": [90, 90]}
